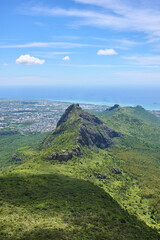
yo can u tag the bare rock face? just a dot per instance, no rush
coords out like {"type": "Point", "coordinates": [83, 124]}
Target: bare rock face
{"type": "Point", "coordinates": [16, 158]}
{"type": "Point", "coordinates": [116, 171]}
{"type": "Point", "coordinates": [94, 132]}
{"type": "Point", "coordinates": [102, 176]}
{"type": "Point", "coordinates": [65, 155]}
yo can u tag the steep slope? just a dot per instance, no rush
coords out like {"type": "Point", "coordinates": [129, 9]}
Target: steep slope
{"type": "Point", "coordinates": [143, 114]}
{"type": "Point", "coordinates": [9, 143]}
{"type": "Point", "coordinates": [137, 112]}
{"type": "Point", "coordinates": [138, 154]}
{"type": "Point", "coordinates": [136, 122]}
{"type": "Point", "coordinates": [40, 201]}
{"type": "Point", "coordinates": [69, 199]}
{"type": "Point", "coordinates": [75, 130]}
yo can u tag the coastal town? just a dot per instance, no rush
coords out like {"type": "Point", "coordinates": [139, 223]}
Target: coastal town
{"type": "Point", "coordinates": [34, 116]}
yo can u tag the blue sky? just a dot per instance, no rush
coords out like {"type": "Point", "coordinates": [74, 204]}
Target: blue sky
{"type": "Point", "coordinates": [80, 42]}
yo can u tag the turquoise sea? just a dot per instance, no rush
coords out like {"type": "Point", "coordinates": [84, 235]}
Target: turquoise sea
{"type": "Point", "coordinates": [149, 98]}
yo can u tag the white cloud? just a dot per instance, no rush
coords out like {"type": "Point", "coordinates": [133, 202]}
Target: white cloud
{"type": "Point", "coordinates": [94, 66]}
{"type": "Point", "coordinates": [66, 58]}
{"type": "Point", "coordinates": [145, 60]}
{"type": "Point", "coordinates": [48, 44]}
{"type": "Point", "coordinates": [116, 14]}
{"type": "Point", "coordinates": [50, 54]}
{"type": "Point", "coordinates": [29, 60]}
{"type": "Point", "coordinates": [107, 52]}
{"type": "Point", "coordinates": [5, 64]}
{"type": "Point", "coordinates": [126, 42]}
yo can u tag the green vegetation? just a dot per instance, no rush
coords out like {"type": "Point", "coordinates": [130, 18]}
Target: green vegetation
{"type": "Point", "coordinates": [49, 199]}
{"type": "Point", "coordinates": [141, 113]}
{"type": "Point", "coordinates": [10, 143]}
{"type": "Point", "coordinates": [138, 154]}
{"type": "Point", "coordinates": [135, 112]}
{"type": "Point", "coordinates": [44, 201]}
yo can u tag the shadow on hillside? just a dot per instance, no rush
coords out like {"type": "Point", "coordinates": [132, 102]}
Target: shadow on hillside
{"type": "Point", "coordinates": [87, 209]}
{"type": "Point", "coordinates": [45, 234]}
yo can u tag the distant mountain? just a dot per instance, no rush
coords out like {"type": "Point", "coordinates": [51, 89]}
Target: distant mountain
{"type": "Point", "coordinates": [138, 112]}
{"type": "Point", "coordinates": [133, 121]}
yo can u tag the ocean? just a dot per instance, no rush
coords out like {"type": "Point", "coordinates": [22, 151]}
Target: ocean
{"type": "Point", "coordinates": [149, 98]}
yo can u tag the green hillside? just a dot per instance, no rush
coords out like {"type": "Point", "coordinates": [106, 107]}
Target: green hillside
{"type": "Point", "coordinates": [44, 201]}
{"type": "Point", "coordinates": [143, 114]}
{"type": "Point", "coordinates": [138, 154]}
{"type": "Point", "coordinates": [136, 122]}
{"type": "Point", "coordinates": [11, 142]}
{"type": "Point", "coordinates": [86, 181]}
{"type": "Point", "coordinates": [135, 112]}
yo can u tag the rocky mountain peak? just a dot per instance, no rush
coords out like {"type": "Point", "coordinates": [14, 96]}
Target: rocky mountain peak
{"type": "Point", "coordinates": [89, 130]}
{"type": "Point", "coordinates": [73, 108]}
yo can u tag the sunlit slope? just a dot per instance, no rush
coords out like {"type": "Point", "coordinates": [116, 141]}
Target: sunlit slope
{"type": "Point", "coordinates": [130, 122]}
{"type": "Point", "coordinates": [76, 131]}
{"type": "Point", "coordinates": [138, 154]}
{"type": "Point", "coordinates": [54, 194]}
{"type": "Point", "coordinates": [137, 112]}
{"type": "Point", "coordinates": [9, 143]}
{"type": "Point", "coordinates": [44, 201]}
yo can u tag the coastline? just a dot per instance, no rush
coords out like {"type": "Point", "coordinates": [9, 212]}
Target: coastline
{"type": "Point", "coordinates": [149, 107]}
{"type": "Point", "coordinates": [107, 96]}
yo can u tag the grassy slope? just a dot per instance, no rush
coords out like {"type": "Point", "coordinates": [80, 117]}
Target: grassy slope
{"type": "Point", "coordinates": [52, 200]}
{"type": "Point", "coordinates": [9, 144]}
{"type": "Point", "coordinates": [40, 200]}
{"type": "Point", "coordinates": [141, 113]}
{"type": "Point", "coordinates": [66, 139]}
{"type": "Point", "coordinates": [135, 112]}
{"type": "Point", "coordinates": [138, 154]}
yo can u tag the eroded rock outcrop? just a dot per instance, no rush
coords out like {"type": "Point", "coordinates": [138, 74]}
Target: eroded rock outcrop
{"type": "Point", "coordinates": [16, 158]}
{"type": "Point", "coordinates": [102, 176]}
{"type": "Point", "coordinates": [116, 171]}
{"type": "Point", "coordinates": [65, 155]}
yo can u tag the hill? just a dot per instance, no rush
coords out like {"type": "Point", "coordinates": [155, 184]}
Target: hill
{"type": "Point", "coordinates": [96, 193]}
{"type": "Point", "coordinates": [10, 142]}
{"type": "Point", "coordinates": [76, 130]}
{"type": "Point", "coordinates": [138, 154]}
{"type": "Point", "coordinates": [138, 112]}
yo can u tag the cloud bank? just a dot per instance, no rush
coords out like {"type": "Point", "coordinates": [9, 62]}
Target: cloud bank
{"type": "Point", "coordinates": [29, 60]}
